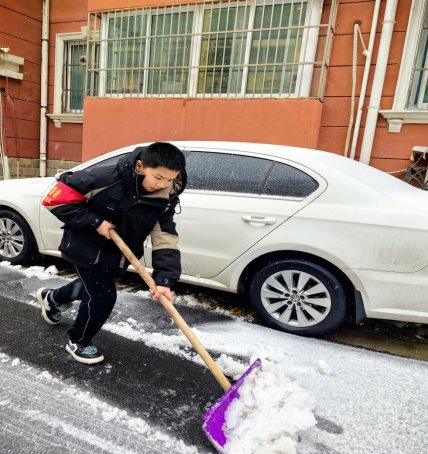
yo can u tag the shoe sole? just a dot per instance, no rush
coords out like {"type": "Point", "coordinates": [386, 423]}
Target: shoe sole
{"type": "Point", "coordinates": [84, 360]}
{"type": "Point", "coordinates": [43, 305]}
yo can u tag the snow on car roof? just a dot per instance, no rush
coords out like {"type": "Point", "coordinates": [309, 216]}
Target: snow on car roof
{"type": "Point", "coordinates": [327, 164]}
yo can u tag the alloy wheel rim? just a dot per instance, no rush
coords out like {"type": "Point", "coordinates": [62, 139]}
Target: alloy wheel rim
{"type": "Point", "coordinates": [295, 298]}
{"type": "Point", "coordinates": [11, 238]}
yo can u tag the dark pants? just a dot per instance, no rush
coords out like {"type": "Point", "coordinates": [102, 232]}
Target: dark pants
{"type": "Point", "coordinates": [97, 291]}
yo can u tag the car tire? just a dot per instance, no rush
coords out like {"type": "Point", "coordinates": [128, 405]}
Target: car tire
{"type": "Point", "coordinates": [298, 297]}
{"type": "Point", "coordinates": [17, 243]}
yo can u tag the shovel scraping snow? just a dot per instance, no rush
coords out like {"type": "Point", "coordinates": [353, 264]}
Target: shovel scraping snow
{"type": "Point", "coordinates": [214, 418]}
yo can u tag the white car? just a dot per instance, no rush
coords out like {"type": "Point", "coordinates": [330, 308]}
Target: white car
{"type": "Point", "coordinates": [311, 237]}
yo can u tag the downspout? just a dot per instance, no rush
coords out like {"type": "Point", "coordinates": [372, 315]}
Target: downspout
{"type": "Point", "coordinates": [354, 85]}
{"type": "Point", "coordinates": [44, 87]}
{"type": "Point", "coordinates": [368, 54]}
{"type": "Point", "coordinates": [378, 80]}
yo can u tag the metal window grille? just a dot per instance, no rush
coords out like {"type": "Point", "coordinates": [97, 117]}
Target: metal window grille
{"type": "Point", "coordinates": [73, 84]}
{"type": "Point", "coordinates": [418, 97]}
{"type": "Point", "coordinates": [232, 49]}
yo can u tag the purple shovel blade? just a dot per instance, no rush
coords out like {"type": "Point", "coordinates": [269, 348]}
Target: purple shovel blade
{"type": "Point", "coordinates": [214, 417]}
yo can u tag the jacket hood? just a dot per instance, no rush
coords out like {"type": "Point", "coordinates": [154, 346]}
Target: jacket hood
{"type": "Point", "coordinates": [126, 168]}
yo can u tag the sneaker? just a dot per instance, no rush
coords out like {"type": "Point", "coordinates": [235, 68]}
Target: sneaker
{"type": "Point", "coordinates": [86, 354]}
{"type": "Point", "coordinates": [50, 313]}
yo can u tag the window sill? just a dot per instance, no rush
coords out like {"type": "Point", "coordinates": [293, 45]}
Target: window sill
{"type": "Point", "coordinates": [396, 118]}
{"type": "Point", "coordinates": [58, 119]}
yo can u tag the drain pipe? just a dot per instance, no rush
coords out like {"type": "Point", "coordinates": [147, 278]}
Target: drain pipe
{"type": "Point", "coordinates": [368, 54]}
{"type": "Point", "coordinates": [354, 86]}
{"type": "Point", "coordinates": [44, 88]}
{"type": "Point", "coordinates": [378, 80]}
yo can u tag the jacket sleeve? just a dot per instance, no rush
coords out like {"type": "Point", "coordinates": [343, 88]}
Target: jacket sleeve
{"type": "Point", "coordinates": [67, 200]}
{"type": "Point", "coordinates": [166, 259]}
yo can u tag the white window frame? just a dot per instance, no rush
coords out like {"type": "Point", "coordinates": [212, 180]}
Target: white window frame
{"type": "Point", "coordinates": [57, 115]}
{"type": "Point", "coordinates": [308, 46]}
{"type": "Point", "coordinates": [399, 114]}
{"type": "Point", "coordinates": [303, 85]}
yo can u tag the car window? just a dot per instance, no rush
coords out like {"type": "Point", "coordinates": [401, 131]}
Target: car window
{"type": "Point", "coordinates": [105, 162]}
{"type": "Point", "coordinates": [287, 181]}
{"type": "Point", "coordinates": [226, 172]}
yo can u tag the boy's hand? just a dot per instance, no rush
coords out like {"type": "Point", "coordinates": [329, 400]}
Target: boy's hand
{"type": "Point", "coordinates": [104, 229]}
{"type": "Point", "coordinates": [165, 291]}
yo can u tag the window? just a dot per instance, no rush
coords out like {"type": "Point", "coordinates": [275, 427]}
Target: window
{"type": "Point", "coordinates": [106, 162]}
{"type": "Point", "coordinates": [73, 85]}
{"type": "Point", "coordinates": [411, 96]}
{"type": "Point", "coordinates": [248, 48]}
{"type": "Point", "coordinates": [125, 45]}
{"type": "Point", "coordinates": [169, 58]}
{"type": "Point", "coordinates": [69, 83]}
{"type": "Point", "coordinates": [223, 46]}
{"type": "Point", "coordinates": [419, 88]}
{"type": "Point", "coordinates": [247, 175]}
{"type": "Point", "coordinates": [288, 181]}
{"type": "Point", "coordinates": [226, 172]}
{"type": "Point", "coordinates": [276, 48]}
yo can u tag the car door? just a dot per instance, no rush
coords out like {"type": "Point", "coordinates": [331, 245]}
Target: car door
{"type": "Point", "coordinates": [231, 202]}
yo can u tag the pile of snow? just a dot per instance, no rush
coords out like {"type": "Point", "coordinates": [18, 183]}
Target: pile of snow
{"type": "Point", "coordinates": [33, 271]}
{"type": "Point", "coordinates": [269, 415]}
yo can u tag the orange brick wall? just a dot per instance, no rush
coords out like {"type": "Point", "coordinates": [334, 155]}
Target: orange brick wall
{"type": "Point", "coordinates": [66, 16]}
{"type": "Point", "coordinates": [391, 151]}
{"type": "Point", "coordinates": [111, 124]}
{"type": "Point", "coordinates": [20, 30]}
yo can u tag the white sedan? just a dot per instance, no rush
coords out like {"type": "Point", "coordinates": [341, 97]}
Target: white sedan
{"type": "Point", "coordinates": [312, 238]}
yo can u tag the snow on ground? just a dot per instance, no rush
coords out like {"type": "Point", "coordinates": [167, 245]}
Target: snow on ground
{"type": "Point", "coordinates": [367, 402]}
{"type": "Point", "coordinates": [270, 413]}
{"type": "Point", "coordinates": [33, 271]}
{"type": "Point", "coordinates": [364, 402]}
{"type": "Point", "coordinates": [199, 302]}
{"type": "Point", "coordinates": [80, 421]}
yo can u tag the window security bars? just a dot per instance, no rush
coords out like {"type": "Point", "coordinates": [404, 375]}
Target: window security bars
{"type": "Point", "coordinates": [418, 97]}
{"type": "Point", "coordinates": [73, 84]}
{"type": "Point", "coordinates": [234, 49]}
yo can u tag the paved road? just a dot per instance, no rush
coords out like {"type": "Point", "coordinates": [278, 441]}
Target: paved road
{"type": "Point", "coordinates": [165, 390]}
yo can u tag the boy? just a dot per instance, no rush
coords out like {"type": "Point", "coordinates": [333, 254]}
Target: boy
{"type": "Point", "coordinates": [137, 197]}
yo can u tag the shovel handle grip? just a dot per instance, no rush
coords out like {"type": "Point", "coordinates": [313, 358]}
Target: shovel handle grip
{"type": "Point", "coordinates": [172, 311]}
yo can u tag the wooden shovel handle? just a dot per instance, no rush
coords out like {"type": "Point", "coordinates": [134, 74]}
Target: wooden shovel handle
{"type": "Point", "coordinates": [172, 311]}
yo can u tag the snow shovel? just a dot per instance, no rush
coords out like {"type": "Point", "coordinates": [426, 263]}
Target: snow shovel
{"type": "Point", "coordinates": [214, 417]}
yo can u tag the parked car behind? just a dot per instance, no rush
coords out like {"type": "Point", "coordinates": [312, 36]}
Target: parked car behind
{"type": "Point", "coordinates": [310, 237]}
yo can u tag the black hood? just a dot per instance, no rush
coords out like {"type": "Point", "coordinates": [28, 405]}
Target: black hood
{"type": "Point", "coordinates": [126, 167]}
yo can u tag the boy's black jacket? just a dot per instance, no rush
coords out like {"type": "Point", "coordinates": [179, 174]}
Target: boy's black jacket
{"type": "Point", "coordinates": [114, 193]}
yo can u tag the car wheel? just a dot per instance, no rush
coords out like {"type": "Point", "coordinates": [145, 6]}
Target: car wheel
{"type": "Point", "coordinates": [298, 297]}
{"type": "Point", "coordinates": [17, 243]}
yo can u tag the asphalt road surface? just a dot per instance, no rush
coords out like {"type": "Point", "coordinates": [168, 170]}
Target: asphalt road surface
{"type": "Point", "coordinates": [169, 392]}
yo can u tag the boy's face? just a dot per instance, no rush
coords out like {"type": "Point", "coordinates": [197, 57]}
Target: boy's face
{"type": "Point", "coordinates": [155, 178]}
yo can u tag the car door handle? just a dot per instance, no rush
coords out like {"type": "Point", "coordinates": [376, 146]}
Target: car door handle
{"type": "Point", "coordinates": [258, 220]}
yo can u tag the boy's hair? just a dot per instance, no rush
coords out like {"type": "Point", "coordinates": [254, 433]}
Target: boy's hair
{"type": "Point", "coordinates": [163, 154]}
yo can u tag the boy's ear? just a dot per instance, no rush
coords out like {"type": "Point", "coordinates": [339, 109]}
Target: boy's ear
{"type": "Point", "coordinates": [139, 164]}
